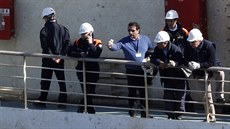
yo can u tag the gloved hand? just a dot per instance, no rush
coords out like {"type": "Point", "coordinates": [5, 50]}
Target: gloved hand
{"type": "Point", "coordinates": [84, 54]}
{"type": "Point", "coordinates": [193, 65]}
{"type": "Point", "coordinates": [146, 60]}
{"type": "Point", "coordinates": [171, 63]}
{"type": "Point", "coordinates": [110, 43]}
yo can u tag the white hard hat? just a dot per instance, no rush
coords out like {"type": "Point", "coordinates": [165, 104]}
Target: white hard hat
{"type": "Point", "coordinates": [162, 36]}
{"type": "Point", "coordinates": [171, 14]}
{"type": "Point", "coordinates": [85, 27]}
{"type": "Point", "coordinates": [195, 35]}
{"type": "Point", "coordinates": [47, 11]}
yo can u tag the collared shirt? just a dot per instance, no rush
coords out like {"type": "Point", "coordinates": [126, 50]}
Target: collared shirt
{"type": "Point", "coordinates": [131, 47]}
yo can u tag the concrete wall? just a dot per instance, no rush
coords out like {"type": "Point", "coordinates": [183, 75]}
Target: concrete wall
{"type": "Point", "coordinates": [13, 118]}
{"type": "Point", "coordinates": [219, 27]}
{"type": "Point", "coordinates": [110, 19]}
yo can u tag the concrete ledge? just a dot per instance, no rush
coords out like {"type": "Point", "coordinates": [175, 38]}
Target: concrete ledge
{"type": "Point", "coordinates": [15, 118]}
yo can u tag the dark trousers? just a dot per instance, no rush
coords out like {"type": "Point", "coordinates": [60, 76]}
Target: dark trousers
{"type": "Point", "coordinates": [136, 81]}
{"type": "Point", "coordinates": [47, 74]}
{"type": "Point", "coordinates": [90, 89]}
{"type": "Point", "coordinates": [174, 95]}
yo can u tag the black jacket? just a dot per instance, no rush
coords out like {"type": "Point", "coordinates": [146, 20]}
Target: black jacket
{"type": "Point", "coordinates": [205, 54]}
{"type": "Point", "coordinates": [81, 48]}
{"type": "Point", "coordinates": [54, 38]}
{"type": "Point", "coordinates": [173, 53]}
{"type": "Point", "coordinates": [178, 37]}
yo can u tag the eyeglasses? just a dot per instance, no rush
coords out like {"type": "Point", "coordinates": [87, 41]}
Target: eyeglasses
{"type": "Point", "coordinates": [131, 30]}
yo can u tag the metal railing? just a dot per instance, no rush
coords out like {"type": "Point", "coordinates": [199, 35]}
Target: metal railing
{"type": "Point", "coordinates": [26, 89]}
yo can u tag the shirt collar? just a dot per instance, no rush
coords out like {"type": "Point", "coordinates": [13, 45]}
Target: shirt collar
{"type": "Point", "coordinates": [174, 29]}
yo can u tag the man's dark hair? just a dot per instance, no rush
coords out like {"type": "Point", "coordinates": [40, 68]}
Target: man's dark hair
{"type": "Point", "coordinates": [134, 24]}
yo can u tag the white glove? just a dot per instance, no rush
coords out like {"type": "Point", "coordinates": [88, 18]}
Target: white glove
{"type": "Point", "coordinates": [83, 54]}
{"type": "Point", "coordinates": [193, 65]}
{"type": "Point", "coordinates": [146, 60]}
{"type": "Point", "coordinates": [171, 63]}
{"type": "Point", "coordinates": [110, 43]}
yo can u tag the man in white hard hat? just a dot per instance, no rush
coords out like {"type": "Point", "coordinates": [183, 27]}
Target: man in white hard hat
{"type": "Point", "coordinates": [135, 46]}
{"type": "Point", "coordinates": [87, 46]}
{"type": "Point", "coordinates": [178, 36]}
{"type": "Point", "coordinates": [54, 40]}
{"type": "Point", "coordinates": [201, 53]}
{"type": "Point", "coordinates": [167, 55]}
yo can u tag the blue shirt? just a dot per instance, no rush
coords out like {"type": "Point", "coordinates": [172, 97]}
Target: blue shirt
{"type": "Point", "coordinates": [132, 48]}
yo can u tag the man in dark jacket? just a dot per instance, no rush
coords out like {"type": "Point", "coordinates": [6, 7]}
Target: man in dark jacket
{"type": "Point", "coordinates": [167, 55]}
{"type": "Point", "coordinates": [87, 46]}
{"type": "Point", "coordinates": [202, 54]}
{"type": "Point", "coordinates": [178, 36]}
{"type": "Point", "coordinates": [54, 40]}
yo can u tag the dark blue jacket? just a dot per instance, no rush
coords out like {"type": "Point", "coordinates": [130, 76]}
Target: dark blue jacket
{"type": "Point", "coordinates": [173, 53]}
{"type": "Point", "coordinates": [81, 48]}
{"type": "Point", "coordinates": [205, 54]}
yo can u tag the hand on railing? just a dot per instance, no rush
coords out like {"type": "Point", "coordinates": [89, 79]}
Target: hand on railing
{"type": "Point", "coordinates": [193, 65]}
{"type": "Point", "coordinates": [172, 63]}
{"type": "Point", "coordinates": [56, 60]}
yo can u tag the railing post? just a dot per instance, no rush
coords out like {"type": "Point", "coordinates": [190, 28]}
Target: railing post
{"type": "Point", "coordinates": [84, 86]}
{"type": "Point", "coordinates": [146, 93]}
{"type": "Point", "coordinates": [25, 83]}
{"type": "Point", "coordinates": [206, 96]}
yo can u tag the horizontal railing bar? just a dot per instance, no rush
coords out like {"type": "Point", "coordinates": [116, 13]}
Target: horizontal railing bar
{"type": "Point", "coordinates": [118, 61]}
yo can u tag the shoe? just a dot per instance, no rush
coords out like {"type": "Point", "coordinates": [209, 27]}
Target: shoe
{"type": "Point", "coordinates": [220, 100]}
{"type": "Point", "coordinates": [40, 105]}
{"type": "Point", "coordinates": [178, 118]}
{"type": "Point", "coordinates": [211, 120]}
{"type": "Point", "coordinates": [170, 118]}
{"type": "Point", "coordinates": [91, 110]}
{"type": "Point", "coordinates": [132, 113]}
{"type": "Point", "coordinates": [143, 114]}
{"type": "Point", "coordinates": [80, 110]}
{"type": "Point", "coordinates": [62, 106]}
